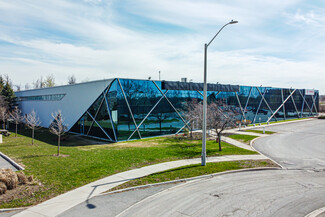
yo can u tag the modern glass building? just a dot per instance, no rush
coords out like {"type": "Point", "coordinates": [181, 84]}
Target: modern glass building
{"type": "Point", "coordinates": [126, 109]}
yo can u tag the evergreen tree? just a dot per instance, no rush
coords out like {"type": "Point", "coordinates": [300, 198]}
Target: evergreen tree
{"type": "Point", "coordinates": [7, 93]}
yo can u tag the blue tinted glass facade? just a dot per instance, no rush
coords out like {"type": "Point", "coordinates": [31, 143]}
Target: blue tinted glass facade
{"type": "Point", "coordinates": [134, 109]}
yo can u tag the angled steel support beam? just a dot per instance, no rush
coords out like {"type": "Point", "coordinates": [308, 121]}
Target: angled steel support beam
{"type": "Point", "coordinates": [110, 117]}
{"type": "Point", "coordinates": [304, 98]}
{"type": "Point", "coordinates": [293, 101]}
{"type": "Point", "coordinates": [100, 126]}
{"type": "Point", "coordinates": [92, 123]}
{"type": "Point", "coordinates": [110, 112]}
{"type": "Point", "coordinates": [249, 96]}
{"type": "Point", "coordinates": [276, 111]}
{"type": "Point", "coordinates": [284, 110]}
{"type": "Point", "coordinates": [259, 106]}
{"type": "Point", "coordinates": [183, 127]}
{"type": "Point", "coordinates": [267, 103]}
{"type": "Point", "coordinates": [127, 103]}
{"type": "Point", "coordinates": [241, 109]}
{"type": "Point", "coordinates": [148, 114]}
{"type": "Point", "coordinates": [246, 104]}
{"type": "Point", "coordinates": [314, 103]}
{"type": "Point", "coordinates": [302, 104]}
{"type": "Point", "coordinates": [170, 103]}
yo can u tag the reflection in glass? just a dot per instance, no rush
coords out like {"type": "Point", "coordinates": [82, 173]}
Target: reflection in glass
{"type": "Point", "coordinates": [166, 116]}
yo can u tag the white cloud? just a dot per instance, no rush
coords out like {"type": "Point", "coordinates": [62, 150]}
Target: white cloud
{"type": "Point", "coordinates": [87, 39]}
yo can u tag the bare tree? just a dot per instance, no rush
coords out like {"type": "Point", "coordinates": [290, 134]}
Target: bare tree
{"type": "Point", "coordinates": [57, 127]}
{"type": "Point", "coordinates": [3, 116]}
{"type": "Point", "coordinates": [18, 87]}
{"type": "Point", "coordinates": [16, 116]}
{"type": "Point", "coordinates": [193, 114]}
{"type": "Point", "coordinates": [49, 81]}
{"type": "Point", "coordinates": [27, 86]}
{"type": "Point", "coordinates": [71, 79]}
{"type": "Point", "coordinates": [33, 122]}
{"type": "Point", "coordinates": [39, 83]}
{"type": "Point", "coordinates": [161, 117]}
{"type": "Point", "coordinates": [219, 117]}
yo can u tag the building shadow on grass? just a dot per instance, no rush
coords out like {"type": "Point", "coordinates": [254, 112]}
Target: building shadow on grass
{"type": "Point", "coordinates": [68, 140]}
{"type": "Point", "coordinates": [36, 156]}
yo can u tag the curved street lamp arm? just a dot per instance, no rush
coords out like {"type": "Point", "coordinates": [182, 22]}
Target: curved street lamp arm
{"type": "Point", "coordinates": [231, 22]}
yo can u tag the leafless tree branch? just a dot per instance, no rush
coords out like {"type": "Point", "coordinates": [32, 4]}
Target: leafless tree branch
{"type": "Point", "coordinates": [58, 127]}
{"type": "Point", "coordinates": [16, 116]}
{"type": "Point", "coordinates": [32, 121]}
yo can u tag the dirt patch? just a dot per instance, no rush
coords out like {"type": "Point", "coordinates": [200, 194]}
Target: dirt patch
{"type": "Point", "coordinates": [16, 186]}
{"type": "Point", "coordinates": [256, 163]}
{"type": "Point", "coordinates": [20, 192]}
{"type": "Point", "coordinates": [139, 144]}
{"type": "Point", "coordinates": [61, 155]}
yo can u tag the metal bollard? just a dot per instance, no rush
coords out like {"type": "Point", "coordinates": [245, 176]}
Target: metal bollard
{"type": "Point", "coordinates": [263, 130]}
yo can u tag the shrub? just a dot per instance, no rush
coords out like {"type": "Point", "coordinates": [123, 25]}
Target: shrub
{"type": "Point", "coordinates": [3, 188]}
{"type": "Point", "coordinates": [9, 178]}
{"type": "Point", "coordinates": [22, 179]}
{"type": "Point", "coordinates": [30, 178]}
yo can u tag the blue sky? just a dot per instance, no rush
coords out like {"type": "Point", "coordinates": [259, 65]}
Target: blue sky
{"type": "Point", "coordinates": [276, 43]}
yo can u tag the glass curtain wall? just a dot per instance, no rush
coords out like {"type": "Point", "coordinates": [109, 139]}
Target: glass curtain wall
{"type": "Point", "coordinates": [133, 109]}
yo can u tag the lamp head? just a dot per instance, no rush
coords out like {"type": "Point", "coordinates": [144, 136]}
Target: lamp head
{"type": "Point", "coordinates": [233, 22]}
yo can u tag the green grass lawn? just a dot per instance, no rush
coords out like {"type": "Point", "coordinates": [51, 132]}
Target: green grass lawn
{"type": "Point", "coordinates": [194, 170]}
{"type": "Point", "coordinates": [243, 138]}
{"type": "Point", "coordinates": [85, 163]}
{"type": "Point", "coordinates": [260, 131]}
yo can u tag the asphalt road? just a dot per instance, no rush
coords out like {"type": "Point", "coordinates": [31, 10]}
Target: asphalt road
{"type": "Point", "coordinates": [298, 145]}
{"type": "Point", "coordinates": [262, 193]}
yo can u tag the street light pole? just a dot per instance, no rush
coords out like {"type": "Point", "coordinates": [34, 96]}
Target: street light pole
{"type": "Point", "coordinates": [204, 128]}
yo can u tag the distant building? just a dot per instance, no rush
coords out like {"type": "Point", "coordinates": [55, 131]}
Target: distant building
{"type": "Point", "coordinates": [124, 109]}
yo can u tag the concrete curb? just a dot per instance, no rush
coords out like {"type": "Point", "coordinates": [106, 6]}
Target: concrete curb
{"type": "Point", "coordinates": [267, 125]}
{"type": "Point", "coordinates": [12, 162]}
{"type": "Point", "coordinates": [12, 209]}
{"type": "Point", "coordinates": [280, 123]}
{"type": "Point", "coordinates": [316, 213]}
{"type": "Point", "coordinates": [191, 179]}
{"type": "Point", "coordinates": [251, 144]}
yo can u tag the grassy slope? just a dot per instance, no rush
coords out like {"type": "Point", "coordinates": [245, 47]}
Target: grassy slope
{"type": "Point", "coordinates": [87, 163]}
{"type": "Point", "coordinates": [243, 138]}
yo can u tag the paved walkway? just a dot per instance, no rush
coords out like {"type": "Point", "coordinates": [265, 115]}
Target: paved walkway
{"type": "Point", "coordinates": [5, 164]}
{"type": "Point", "coordinates": [236, 143]}
{"type": "Point", "coordinates": [61, 203]}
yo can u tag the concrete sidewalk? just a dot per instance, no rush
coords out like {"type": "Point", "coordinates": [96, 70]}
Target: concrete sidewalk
{"type": "Point", "coordinates": [6, 162]}
{"type": "Point", "coordinates": [236, 143]}
{"type": "Point", "coordinates": [61, 203]}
